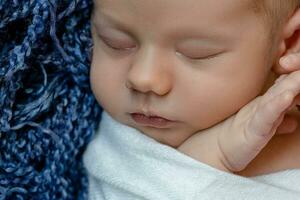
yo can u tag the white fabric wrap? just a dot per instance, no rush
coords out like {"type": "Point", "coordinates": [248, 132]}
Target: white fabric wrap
{"type": "Point", "coordinates": [124, 164]}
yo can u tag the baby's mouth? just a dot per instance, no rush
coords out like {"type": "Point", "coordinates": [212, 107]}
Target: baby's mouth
{"type": "Point", "coordinates": [151, 121]}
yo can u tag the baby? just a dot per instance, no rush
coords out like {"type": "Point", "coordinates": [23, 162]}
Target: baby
{"type": "Point", "coordinates": [192, 74]}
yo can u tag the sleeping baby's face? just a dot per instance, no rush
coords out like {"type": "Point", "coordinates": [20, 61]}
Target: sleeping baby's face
{"type": "Point", "coordinates": [171, 68]}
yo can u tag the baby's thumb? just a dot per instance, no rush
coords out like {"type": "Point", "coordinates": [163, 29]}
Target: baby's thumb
{"type": "Point", "coordinates": [288, 125]}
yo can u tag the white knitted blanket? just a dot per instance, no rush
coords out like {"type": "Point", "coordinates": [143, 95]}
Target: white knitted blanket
{"type": "Point", "coordinates": [124, 164]}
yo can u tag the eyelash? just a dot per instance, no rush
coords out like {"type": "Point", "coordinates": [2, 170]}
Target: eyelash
{"type": "Point", "coordinates": [106, 42]}
{"type": "Point", "coordinates": [195, 59]}
{"type": "Point", "coordinates": [205, 57]}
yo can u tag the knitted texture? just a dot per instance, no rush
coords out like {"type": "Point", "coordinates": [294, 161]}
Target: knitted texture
{"type": "Point", "coordinates": [47, 111]}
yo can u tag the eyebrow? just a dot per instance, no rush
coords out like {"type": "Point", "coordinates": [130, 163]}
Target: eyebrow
{"type": "Point", "coordinates": [108, 19]}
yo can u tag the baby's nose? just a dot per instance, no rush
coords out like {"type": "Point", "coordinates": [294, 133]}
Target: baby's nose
{"type": "Point", "coordinates": [150, 73]}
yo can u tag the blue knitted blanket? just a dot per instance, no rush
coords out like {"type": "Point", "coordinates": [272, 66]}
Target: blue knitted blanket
{"type": "Point", "coordinates": [47, 111]}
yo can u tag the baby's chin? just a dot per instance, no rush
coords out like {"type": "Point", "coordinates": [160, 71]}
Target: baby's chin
{"type": "Point", "coordinates": [172, 137]}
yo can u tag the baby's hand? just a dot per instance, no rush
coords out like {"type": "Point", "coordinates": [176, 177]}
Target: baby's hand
{"type": "Point", "coordinates": [232, 144]}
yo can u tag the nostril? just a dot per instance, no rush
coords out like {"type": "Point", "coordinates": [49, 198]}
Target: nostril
{"type": "Point", "coordinates": [128, 85]}
{"type": "Point", "coordinates": [137, 87]}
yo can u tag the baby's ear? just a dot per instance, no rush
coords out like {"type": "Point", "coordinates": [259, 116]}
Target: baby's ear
{"type": "Point", "coordinates": [290, 45]}
{"type": "Point", "coordinates": [291, 33]}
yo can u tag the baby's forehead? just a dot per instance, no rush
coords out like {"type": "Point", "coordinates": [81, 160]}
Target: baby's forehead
{"type": "Point", "coordinates": [199, 10]}
{"type": "Point", "coordinates": [192, 4]}
{"type": "Point", "coordinates": [178, 18]}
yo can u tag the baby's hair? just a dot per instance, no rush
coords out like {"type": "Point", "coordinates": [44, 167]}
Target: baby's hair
{"type": "Point", "coordinates": [47, 111]}
{"type": "Point", "coordinates": [275, 12]}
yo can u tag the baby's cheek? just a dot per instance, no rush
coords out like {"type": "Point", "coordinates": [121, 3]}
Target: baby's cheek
{"type": "Point", "coordinates": [98, 86]}
{"type": "Point", "coordinates": [101, 93]}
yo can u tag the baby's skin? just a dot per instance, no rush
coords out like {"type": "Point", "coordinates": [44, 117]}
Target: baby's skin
{"type": "Point", "coordinates": [232, 144]}
{"type": "Point", "coordinates": [194, 75]}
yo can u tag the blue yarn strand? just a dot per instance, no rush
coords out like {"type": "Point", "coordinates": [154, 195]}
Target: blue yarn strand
{"type": "Point", "coordinates": [48, 113]}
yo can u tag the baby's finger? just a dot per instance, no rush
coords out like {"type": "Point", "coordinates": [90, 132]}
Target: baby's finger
{"type": "Point", "coordinates": [289, 82]}
{"type": "Point", "coordinates": [290, 122]}
{"type": "Point", "coordinates": [296, 101]}
{"type": "Point", "coordinates": [288, 125]}
{"type": "Point", "coordinates": [281, 78]}
{"type": "Point", "coordinates": [289, 63]}
{"type": "Point", "coordinates": [265, 121]}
